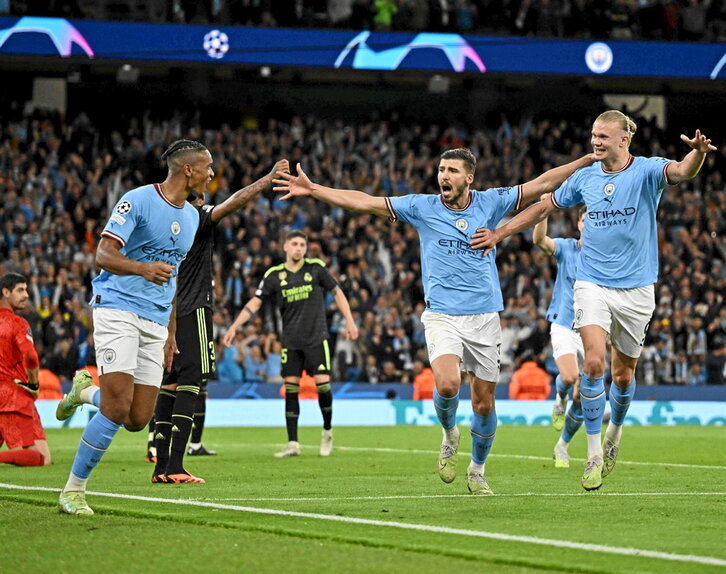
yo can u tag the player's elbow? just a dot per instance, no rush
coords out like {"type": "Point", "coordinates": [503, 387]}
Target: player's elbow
{"type": "Point", "coordinates": [101, 257]}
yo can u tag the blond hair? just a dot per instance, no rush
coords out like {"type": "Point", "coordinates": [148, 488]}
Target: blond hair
{"type": "Point", "coordinates": [625, 122]}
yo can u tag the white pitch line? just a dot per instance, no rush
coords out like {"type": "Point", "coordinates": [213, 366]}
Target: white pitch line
{"type": "Point", "coordinates": [466, 496]}
{"type": "Point", "coordinates": [515, 456]}
{"type": "Point", "coordinates": [711, 561]}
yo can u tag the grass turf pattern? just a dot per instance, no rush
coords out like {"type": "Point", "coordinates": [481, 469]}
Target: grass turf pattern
{"type": "Point", "coordinates": [377, 505]}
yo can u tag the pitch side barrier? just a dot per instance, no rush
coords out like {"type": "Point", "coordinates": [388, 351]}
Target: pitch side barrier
{"type": "Point", "coordinates": [390, 412]}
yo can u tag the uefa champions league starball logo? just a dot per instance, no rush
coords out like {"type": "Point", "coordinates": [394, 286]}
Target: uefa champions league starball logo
{"type": "Point", "coordinates": [216, 44]}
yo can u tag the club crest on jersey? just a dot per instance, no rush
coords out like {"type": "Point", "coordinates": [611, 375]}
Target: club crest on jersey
{"type": "Point", "coordinates": [282, 276]}
{"type": "Point", "coordinates": [609, 189]}
{"type": "Point", "coordinates": [462, 224]}
{"type": "Point", "coordinates": [123, 208]}
{"type": "Point", "coordinates": [307, 277]}
{"type": "Point", "coordinates": [109, 356]}
{"type": "Point", "coordinates": [175, 227]}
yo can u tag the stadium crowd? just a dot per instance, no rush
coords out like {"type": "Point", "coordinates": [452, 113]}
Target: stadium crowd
{"type": "Point", "coordinates": [687, 20]}
{"type": "Point", "coordinates": [59, 177]}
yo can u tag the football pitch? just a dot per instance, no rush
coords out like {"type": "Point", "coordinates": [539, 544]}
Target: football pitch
{"type": "Point", "coordinates": [376, 505]}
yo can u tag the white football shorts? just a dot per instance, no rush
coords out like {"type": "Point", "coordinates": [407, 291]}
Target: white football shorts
{"type": "Point", "coordinates": [623, 313]}
{"type": "Point", "coordinates": [475, 339]}
{"type": "Point", "coordinates": [566, 342]}
{"type": "Point", "coordinates": [127, 343]}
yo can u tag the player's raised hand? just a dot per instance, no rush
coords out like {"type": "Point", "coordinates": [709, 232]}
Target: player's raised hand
{"type": "Point", "coordinates": [157, 272]}
{"type": "Point", "coordinates": [293, 185]}
{"type": "Point", "coordinates": [282, 166]}
{"type": "Point", "coordinates": [699, 142]}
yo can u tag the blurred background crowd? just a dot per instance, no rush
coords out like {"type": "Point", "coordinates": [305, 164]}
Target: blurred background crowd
{"type": "Point", "coordinates": [691, 20]}
{"type": "Point", "coordinates": [60, 176]}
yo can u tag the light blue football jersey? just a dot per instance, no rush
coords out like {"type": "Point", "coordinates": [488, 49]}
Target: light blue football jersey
{"type": "Point", "coordinates": [620, 240]}
{"type": "Point", "coordinates": [150, 228]}
{"type": "Point", "coordinates": [457, 279]}
{"type": "Point", "coordinates": [561, 309]}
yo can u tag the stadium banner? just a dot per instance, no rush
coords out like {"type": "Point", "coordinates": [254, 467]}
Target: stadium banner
{"type": "Point", "coordinates": [381, 412]}
{"type": "Point", "coordinates": [363, 50]}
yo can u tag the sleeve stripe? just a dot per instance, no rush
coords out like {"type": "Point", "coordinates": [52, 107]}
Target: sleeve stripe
{"type": "Point", "coordinates": [554, 200]}
{"type": "Point", "coordinates": [393, 216]}
{"type": "Point", "coordinates": [112, 235]}
{"type": "Point", "coordinates": [519, 197]}
{"type": "Point", "coordinates": [665, 173]}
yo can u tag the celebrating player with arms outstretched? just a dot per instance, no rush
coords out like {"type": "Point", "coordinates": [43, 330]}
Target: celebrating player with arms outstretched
{"type": "Point", "coordinates": [463, 297]}
{"type": "Point", "coordinates": [614, 291]}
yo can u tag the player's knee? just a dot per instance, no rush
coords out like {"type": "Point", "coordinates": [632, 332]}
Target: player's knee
{"type": "Point", "coordinates": [293, 388]}
{"type": "Point", "coordinates": [483, 406]}
{"type": "Point", "coordinates": [117, 412]}
{"type": "Point", "coordinates": [569, 378]}
{"type": "Point", "coordinates": [594, 366]}
{"type": "Point", "coordinates": [135, 425]}
{"type": "Point", "coordinates": [448, 386]}
{"type": "Point", "coordinates": [623, 379]}
{"type": "Point", "coordinates": [323, 387]}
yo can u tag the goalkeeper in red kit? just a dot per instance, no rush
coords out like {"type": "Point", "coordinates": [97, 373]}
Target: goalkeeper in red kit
{"type": "Point", "coordinates": [20, 426]}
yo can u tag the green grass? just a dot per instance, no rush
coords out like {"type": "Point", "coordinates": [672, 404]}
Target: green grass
{"type": "Point", "coordinates": [666, 495]}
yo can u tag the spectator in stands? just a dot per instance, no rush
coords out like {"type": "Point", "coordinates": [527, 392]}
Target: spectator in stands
{"type": "Point", "coordinates": [423, 381]}
{"type": "Point", "coordinates": [360, 255]}
{"type": "Point", "coordinates": [229, 364]}
{"type": "Point", "coordinates": [693, 20]}
{"type": "Point", "coordinates": [64, 359]}
{"type": "Point", "coordinates": [254, 364]}
{"type": "Point", "coordinates": [530, 382]}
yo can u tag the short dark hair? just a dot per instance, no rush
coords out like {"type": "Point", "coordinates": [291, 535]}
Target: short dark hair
{"type": "Point", "coordinates": [464, 154]}
{"type": "Point", "coordinates": [10, 281]}
{"type": "Point", "coordinates": [582, 211]}
{"type": "Point", "coordinates": [296, 233]}
{"type": "Point", "coordinates": [179, 147]}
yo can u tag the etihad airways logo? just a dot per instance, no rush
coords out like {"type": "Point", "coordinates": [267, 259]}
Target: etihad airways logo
{"type": "Point", "coordinates": [610, 217]}
{"type": "Point", "coordinates": [458, 247]}
{"type": "Point", "coordinates": [61, 32]}
{"type": "Point", "coordinates": [454, 47]}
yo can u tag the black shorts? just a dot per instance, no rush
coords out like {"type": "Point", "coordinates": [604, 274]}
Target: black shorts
{"type": "Point", "coordinates": [314, 360]}
{"type": "Point", "coordinates": [196, 359]}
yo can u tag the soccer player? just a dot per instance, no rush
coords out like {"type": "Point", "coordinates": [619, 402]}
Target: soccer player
{"type": "Point", "coordinates": [461, 286]}
{"type": "Point", "coordinates": [20, 424]}
{"type": "Point", "coordinates": [567, 346]}
{"type": "Point", "coordinates": [181, 401]}
{"type": "Point", "coordinates": [297, 288]}
{"type": "Point", "coordinates": [147, 236]}
{"type": "Point", "coordinates": [614, 288]}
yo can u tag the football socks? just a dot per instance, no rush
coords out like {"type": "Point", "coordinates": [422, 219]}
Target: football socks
{"type": "Point", "coordinates": [96, 438]}
{"type": "Point", "coordinates": [292, 410]}
{"type": "Point", "coordinates": [325, 400]}
{"type": "Point", "coordinates": [620, 402]}
{"type": "Point", "coordinates": [483, 429]}
{"type": "Point", "coordinates": [592, 397]}
{"type": "Point", "coordinates": [573, 421]}
{"type": "Point", "coordinates": [446, 409]}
